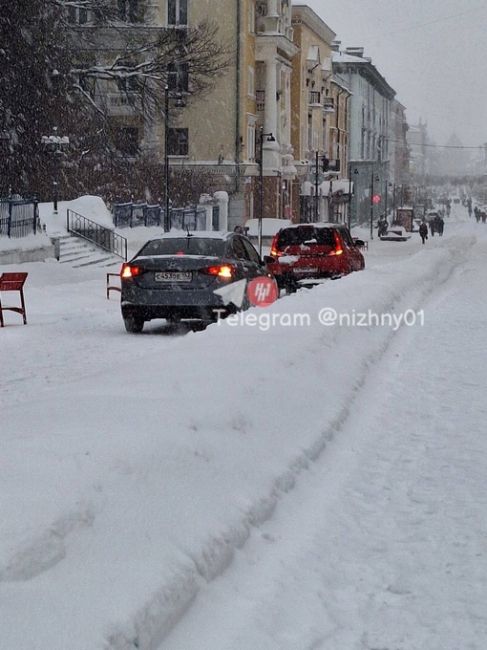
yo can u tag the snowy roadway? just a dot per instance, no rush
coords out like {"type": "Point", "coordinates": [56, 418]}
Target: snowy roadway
{"type": "Point", "coordinates": [384, 546]}
{"type": "Point", "coordinates": [301, 488]}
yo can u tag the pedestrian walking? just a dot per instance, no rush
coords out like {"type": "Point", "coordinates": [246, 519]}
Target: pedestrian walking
{"type": "Point", "coordinates": [440, 226]}
{"type": "Point", "coordinates": [423, 231]}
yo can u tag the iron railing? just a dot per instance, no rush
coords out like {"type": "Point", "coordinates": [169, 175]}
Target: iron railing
{"type": "Point", "coordinates": [93, 232]}
{"type": "Point", "coordinates": [18, 217]}
{"type": "Point", "coordinates": [130, 215]}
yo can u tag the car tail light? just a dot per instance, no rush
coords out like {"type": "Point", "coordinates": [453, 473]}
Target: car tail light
{"type": "Point", "coordinates": [275, 252]}
{"type": "Point", "coordinates": [128, 271]}
{"type": "Point", "coordinates": [338, 246]}
{"type": "Point", "coordinates": [221, 271]}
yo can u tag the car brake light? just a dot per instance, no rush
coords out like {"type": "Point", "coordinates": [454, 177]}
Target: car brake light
{"type": "Point", "coordinates": [275, 252]}
{"type": "Point", "coordinates": [338, 245]}
{"type": "Point", "coordinates": [221, 270]}
{"type": "Point", "coordinates": [129, 271]}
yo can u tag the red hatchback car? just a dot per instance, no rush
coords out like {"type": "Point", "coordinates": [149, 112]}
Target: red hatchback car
{"type": "Point", "coordinates": [306, 252]}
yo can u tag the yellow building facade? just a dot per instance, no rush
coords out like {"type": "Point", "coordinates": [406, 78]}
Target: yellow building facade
{"type": "Point", "coordinates": [258, 129]}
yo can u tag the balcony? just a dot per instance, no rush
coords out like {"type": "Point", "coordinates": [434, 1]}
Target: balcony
{"type": "Point", "coordinates": [329, 105]}
{"type": "Point", "coordinates": [120, 103]}
{"type": "Point", "coordinates": [314, 99]}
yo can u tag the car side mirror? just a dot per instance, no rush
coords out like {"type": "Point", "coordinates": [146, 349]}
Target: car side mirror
{"type": "Point", "coordinates": [359, 243]}
{"type": "Point", "coordinates": [268, 259]}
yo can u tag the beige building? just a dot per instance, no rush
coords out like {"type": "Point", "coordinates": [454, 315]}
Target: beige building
{"type": "Point", "coordinates": [260, 128]}
{"type": "Point", "coordinates": [319, 118]}
{"type": "Point", "coordinates": [247, 112]}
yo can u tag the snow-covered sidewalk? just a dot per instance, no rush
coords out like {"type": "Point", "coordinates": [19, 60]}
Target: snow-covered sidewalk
{"type": "Point", "coordinates": [133, 467]}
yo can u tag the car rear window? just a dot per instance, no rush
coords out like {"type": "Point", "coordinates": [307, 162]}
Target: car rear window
{"type": "Point", "coordinates": [306, 235]}
{"type": "Point", "coordinates": [184, 246]}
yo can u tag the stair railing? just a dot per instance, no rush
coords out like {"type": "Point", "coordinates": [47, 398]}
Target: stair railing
{"type": "Point", "coordinates": [97, 234]}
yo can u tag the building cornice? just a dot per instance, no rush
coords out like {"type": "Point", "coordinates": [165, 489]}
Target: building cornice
{"type": "Point", "coordinates": [367, 70]}
{"type": "Point", "coordinates": [304, 15]}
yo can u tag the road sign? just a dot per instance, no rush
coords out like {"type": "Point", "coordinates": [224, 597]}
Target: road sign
{"type": "Point", "coordinates": [376, 198]}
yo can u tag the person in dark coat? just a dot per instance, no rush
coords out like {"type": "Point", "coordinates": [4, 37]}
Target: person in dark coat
{"type": "Point", "coordinates": [423, 231]}
{"type": "Point", "coordinates": [440, 226]}
{"type": "Point", "coordinates": [432, 227]}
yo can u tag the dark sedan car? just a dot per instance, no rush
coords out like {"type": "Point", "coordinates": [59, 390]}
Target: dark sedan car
{"type": "Point", "coordinates": [176, 275]}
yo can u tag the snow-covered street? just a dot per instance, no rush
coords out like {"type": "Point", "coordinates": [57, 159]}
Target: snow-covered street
{"type": "Point", "coordinates": [384, 544]}
{"type": "Point", "coordinates": [250, 488]}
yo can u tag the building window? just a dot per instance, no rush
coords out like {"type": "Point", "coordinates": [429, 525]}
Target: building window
{"type": "Point", "coordinates": [177, 13]}
{"type": "Point", "coordinates": [87, 84]}
{"type": "Point", "coordinates": [127, 84]}
{"type": "Point", "coordinates": [251, 18]}
{"type": "Point", "coordinates": [127, 140]}
{"type": "Point", "coordinates": [129, 11]}
{"type": "Point", "coordinates": [251, 142]}
{"type": "Point", "coordinates": [77, 15]}
{"type": "Point", "coordinates": [251, 89]}
{"type": "Point", "coordinates": [177, 77]}
{"type": "Point", "coordinates": [177, 142]}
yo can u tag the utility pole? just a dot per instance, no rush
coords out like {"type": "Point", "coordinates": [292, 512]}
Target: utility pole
{"type": "Point", "coordinates": [372, 206]}
{"type": "Point", "coordinates": [317, 160]}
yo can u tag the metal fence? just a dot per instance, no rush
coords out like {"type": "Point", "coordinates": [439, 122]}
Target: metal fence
{"type": "Point", "coordinates": [18, 217]}
{"type": "Point", "coordinates": [130, 215]}
{"type": "Point", "coordinates": [102, 237]}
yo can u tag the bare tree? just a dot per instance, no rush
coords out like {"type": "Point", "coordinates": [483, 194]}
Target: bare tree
{"type": "Point", "coordinates": [57, 57]}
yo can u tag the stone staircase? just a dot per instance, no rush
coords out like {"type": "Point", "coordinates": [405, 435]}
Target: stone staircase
{"type": "Point", "coordinates": [78, 252]}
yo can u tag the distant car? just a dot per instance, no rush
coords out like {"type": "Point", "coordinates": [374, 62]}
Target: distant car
{"type": "Point", "coordinates": [396, 233]}
{"type": "Point", "coordinates": [269, 228]}
{"type": "Point", "coordinates": [175, 277]}
{"type": "Point", "coordinates": [306, 253]}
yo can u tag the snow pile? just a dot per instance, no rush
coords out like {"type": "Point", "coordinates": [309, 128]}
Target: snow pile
{"type": "Point", "coordinates": [91, 207]}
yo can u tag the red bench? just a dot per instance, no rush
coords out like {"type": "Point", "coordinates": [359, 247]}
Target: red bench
{"type": "Point", "coordinates": [13, 282]}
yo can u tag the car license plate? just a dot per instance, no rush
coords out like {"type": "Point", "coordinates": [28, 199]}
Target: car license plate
{"type": "Point", "coordinates": [173, 276]}
{"type": "Point", "coordinates": [298, 270]}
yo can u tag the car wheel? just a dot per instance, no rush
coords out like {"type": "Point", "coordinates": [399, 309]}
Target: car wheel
{"type": "Point", "coordinates": [200, 325]}
{"type": "Point", "coordinates": [245, 304]}
{"type": "Point", "coordinates": [291, 287]}
{"type": "Point", "coordinates": [133, 324]}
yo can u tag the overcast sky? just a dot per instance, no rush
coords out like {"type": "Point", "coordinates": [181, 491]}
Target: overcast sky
{"type": "Point", "coordinates": [432, 52]}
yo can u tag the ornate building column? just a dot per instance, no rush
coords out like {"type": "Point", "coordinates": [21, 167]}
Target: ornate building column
{"type": "Point", "coordinates": [271, 149]}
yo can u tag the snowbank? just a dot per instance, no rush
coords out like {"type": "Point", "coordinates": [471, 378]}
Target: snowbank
{"type": "Point", "coordinates": [91, 207]}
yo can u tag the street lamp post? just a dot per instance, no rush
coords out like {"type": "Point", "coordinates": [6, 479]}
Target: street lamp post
{"type": "Point", "coordinates": [167, 221]}
{"type": "Point", "coordinates": [269, 138]}
{"type": "Point", "coordinates": [179, 104]}
{"type": "Point", "coordinates": [317, 171]}
{"type": "Point", "coordinates": [54, 144]}
{"type": "Point", "coordinates": [349, 211]}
